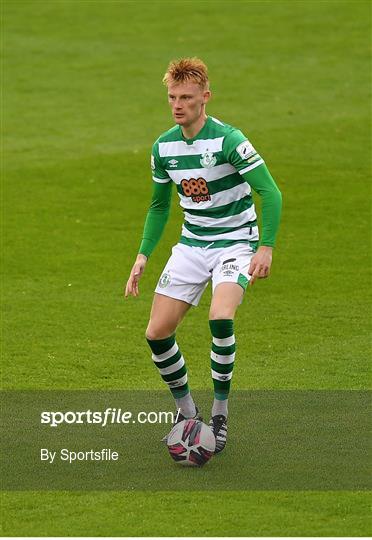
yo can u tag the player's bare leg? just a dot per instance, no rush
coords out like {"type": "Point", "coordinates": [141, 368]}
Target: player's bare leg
{"type": "Point", "coordinates": [166, 315]}
{"type": "Point", "coordinates": [226, 299]}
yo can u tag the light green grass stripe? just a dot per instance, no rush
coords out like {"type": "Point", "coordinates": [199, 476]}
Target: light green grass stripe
{"type": "Point", "coordinates": [227, 182]}
{"type": "Point", "coordinates": [222, 368]}
{"type": "Point", "coordinates": [206, 231]}
{"type": "Point", "coordinates": [292, 513]}
{"type": "Point", "coordinates": [231, 209]}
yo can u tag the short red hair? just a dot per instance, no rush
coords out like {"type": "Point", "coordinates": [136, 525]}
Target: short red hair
{"type": "Point", "coordinates": [187, 70]}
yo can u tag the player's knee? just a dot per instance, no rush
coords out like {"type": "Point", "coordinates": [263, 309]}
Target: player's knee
{"type": "Point", "coordinates": [151, 334]}
{"type": "Point", "coordinates": [221, 314]}
{"type": "Point", "coordinates": [157, 332]}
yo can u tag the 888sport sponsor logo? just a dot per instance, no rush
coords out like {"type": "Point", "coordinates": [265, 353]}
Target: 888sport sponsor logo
{"type": "Point", "coordinates": [196, 188]}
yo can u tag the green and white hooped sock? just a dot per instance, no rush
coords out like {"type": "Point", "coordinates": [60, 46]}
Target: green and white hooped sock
{"type": "Point", "coordinates": [222, 362]}
{"type": "Point", "coordinates": [171, 365]}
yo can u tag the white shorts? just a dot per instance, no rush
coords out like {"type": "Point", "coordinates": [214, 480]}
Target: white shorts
{"type": "Point", "coordinates": [189, 270]}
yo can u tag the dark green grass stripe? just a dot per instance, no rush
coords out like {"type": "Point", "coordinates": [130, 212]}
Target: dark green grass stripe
{"type": "Point", "coordinates": [222, 368]}
{"type": "Point", "coordinates": [224, 351]}
{"type": "Point", "coordinates": [216, 186]}
{"type": "Point", "coordinates": [230, 209]}
{"type": "Point", "coordinates": [206, 231]}
{"type": "Point", "coordinates": [169, 361]}
{"type": "Point", "coordinates": [176, 375]}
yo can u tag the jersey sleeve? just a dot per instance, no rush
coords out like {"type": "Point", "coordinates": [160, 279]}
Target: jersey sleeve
{"type": "Point", "coordinates": [240, 152]}
{"type": "Point", "coordinates": [263, 183]}
{"type": "Point", "coordinates": [159, 174]}
{"type": "Point", "coordinates": [157, 217]}
{"type": "Point", "coordinates": [250, 165]}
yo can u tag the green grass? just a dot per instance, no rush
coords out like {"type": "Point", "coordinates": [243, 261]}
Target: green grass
{"type": "Point", "coordinates": [199, 513]}
{"type": "Point", "coordinates": [82, 104]}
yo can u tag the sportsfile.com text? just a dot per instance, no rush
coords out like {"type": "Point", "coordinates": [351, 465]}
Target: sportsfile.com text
{"type": "Point", "coordinates": [106, 417]}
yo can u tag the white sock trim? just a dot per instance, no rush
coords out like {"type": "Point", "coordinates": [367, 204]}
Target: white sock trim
{"type": "Point", "coordinates": [221, 376]}
{"type": "Point", "coordinates": [224, 342]}
{"type": "Point", "coordinates": [223, 359]}
{"type": "Point", "coordinates": [177, 382]}
{"type": "Point", "coordinates": [173, 367]}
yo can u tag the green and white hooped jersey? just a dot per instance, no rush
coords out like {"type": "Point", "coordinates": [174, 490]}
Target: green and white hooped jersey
{"type": "Point", "coordinates": [210, 175]}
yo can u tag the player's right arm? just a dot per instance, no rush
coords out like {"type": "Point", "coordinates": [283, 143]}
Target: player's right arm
{"type": "Point", "coordinates": [156, 219]}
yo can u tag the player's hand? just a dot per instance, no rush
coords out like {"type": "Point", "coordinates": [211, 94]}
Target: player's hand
{"type": "Point", "coordinates": [136, 273]}
{"type": "Point", "coordinates": [260, 264]}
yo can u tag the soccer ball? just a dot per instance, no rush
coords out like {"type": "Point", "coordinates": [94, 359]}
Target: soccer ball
{"type": "Point", "coordinates": [191, 443]}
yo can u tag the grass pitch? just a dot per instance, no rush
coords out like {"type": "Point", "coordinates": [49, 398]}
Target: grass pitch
{"type": "Point", "coordinates": [82, 103]}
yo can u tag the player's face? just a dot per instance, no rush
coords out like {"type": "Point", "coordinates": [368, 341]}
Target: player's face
{"type": "Point", "coordinates": [187, 102]}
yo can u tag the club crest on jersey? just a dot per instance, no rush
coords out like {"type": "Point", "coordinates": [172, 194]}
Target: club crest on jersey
{"type": "Point", "coordinates": [208, 160]}
{"type": "Point", "coordinates": [165, 280]}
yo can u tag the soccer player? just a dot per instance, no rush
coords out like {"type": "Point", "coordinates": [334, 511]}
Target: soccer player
{"type": "Point", "coordinates": [214, 168]}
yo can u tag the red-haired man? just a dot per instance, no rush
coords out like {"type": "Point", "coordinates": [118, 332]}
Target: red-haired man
{"type": "Point", "coordinates": [214, 167]}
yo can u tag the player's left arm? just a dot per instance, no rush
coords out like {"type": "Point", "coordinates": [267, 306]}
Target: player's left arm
{"type": "Point", "coordinates": [243, 156]}
{"type": "Point", "coordinates": [263, 183]}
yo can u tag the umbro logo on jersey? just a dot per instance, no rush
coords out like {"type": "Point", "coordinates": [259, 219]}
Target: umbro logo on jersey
{"type": "Point", "coordinates": [173, 163]}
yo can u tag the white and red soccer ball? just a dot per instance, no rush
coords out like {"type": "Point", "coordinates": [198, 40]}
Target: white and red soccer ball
{"type": "Point", "coordinates": [191, 442]}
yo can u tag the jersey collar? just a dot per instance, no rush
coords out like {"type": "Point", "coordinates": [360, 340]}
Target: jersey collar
{"type": "Point", "coordinates": [198, 135]}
